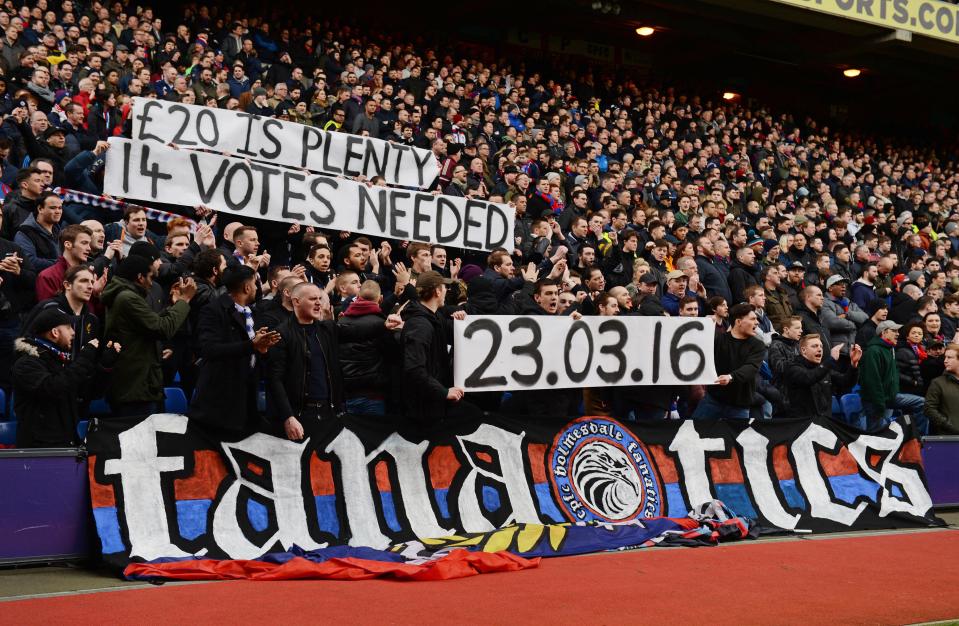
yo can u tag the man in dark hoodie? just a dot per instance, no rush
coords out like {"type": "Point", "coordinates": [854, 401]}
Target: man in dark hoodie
{"type": "Point", "coordinates": [137, 386]}
{"type": "Point", "coordinates": [47, 380]}
{"type": "Point", "coordinates": [427, 363]}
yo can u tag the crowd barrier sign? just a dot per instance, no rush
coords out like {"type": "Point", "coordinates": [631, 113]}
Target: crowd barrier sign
{"type": "Point", "coordinates": [162, 488]}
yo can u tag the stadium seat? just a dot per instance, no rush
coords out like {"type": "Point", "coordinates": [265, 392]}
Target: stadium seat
{"type": "Point", "coordinates": [82, 427]}
{"type": "Point", "coordinates": [100, 406]}
{"type": "Point", "coordinates": [836, 408]}
{"type": "Point", "coordinates": [852, 409]}
{"type": "Point", "coordinates": [8, 434]}
{"type": "Point", "coordinates": [175, 400]}
{"type": "Point", "coordinates": [3, 404]}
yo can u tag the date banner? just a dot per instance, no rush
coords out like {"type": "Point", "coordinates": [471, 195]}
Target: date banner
{"type": "Point", "coordinates": [162, 489]}
{"type": "Point", "coordinates": [503, 352]}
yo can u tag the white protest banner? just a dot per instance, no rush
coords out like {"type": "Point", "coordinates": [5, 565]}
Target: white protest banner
{"type": "Point", "coordinates": [280, 142]}
{"type": "Point", "coordinates": [507, 352]}
{"type": "Point", "coordinates": [150, 171]}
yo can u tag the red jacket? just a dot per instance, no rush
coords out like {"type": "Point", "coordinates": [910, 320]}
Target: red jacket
{"type": "Point", "coordinates": [50, 280]}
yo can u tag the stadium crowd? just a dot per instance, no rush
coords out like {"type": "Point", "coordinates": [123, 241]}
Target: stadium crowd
{"type": "Point", "coordinates": [828, 262]}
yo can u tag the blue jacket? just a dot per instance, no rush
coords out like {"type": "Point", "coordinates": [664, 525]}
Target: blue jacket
{"type": "Point", "coordinates": [862, 294]}
{"type": "Point", "coordinates": [42, 248]}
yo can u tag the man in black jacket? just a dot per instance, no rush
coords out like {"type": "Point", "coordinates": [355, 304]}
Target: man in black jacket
{"type": "Point", "coordinates": [229, 351]}
{"type": "Point", "coordinates": [17, 279]}
{"type": "Point", "coordinates": [365, 347]}
{"type": "Point", "coordinates": [809, 383]}
{"type": "Point", "coordinates": [305, 381]}
{"type": "Point", "coordinates": [427, 363]}
{"type": "Point", "coordinates": [810, 310]}
{"type": "Point", "coordinates": [47, 381]}
{"type": "Point", "coordinates": [738, 356]}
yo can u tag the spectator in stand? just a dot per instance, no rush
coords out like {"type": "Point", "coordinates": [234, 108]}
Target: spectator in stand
{"type": "Point", "coordinates": [878, 312]}
{"type": "Point", "coordinates": [778, 308]}
{"type": "Point", "coordinates": [809, 383]}
{"type": "Point", "coordinates": [840, 315]}
{"type": "Point", "coordinates": [75, 241]}
{"type": "Point", "coordinates": [137, 386]}
{"type": "Point", "coordinates": [427, 363]}
{"type": "Point", "coordinates": [738, 356]}
{"type": "Point", "coordinates": [879, 381]}
{"type": "Point", "coordinates": [39, 233]}
{"type": "Point", "coordinates": [305, 377]}
{"type": "Point", "coordinates": [77, 289]}
{"type": "Point", "coordinates": [942, 399]}
{"type": "Point", "coordinates": [366, 347]}
{"type": "Point", "coordinates": [48, 379]}
{"type": "Point", "coordinates": [230, 351]}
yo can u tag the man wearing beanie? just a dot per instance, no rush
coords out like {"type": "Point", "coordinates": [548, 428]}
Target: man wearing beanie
{"type": "Point", "coordinates": [47, 381]}
{"type": "Point", "coordinates": [137, 387]}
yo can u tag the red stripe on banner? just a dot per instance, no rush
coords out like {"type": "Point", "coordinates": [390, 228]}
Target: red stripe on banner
{"type": "Point", "coordinates": [841, 464]}
{"type": "Point", "coordinates": [727, 470]}
{"type": "Point", "coordinates": [910, 452]}
{"type": "Point", "coordinates": [484, 457]}
{"type": "Point", "coordinates": [537, 461]}
{"type": "Point", "coordinates": [208, 472]}
{"type": "Point", "coordinates": [665, 464]}
{"type": "Point", "coordinates": [321, 477]}
{"type": "Point", "coordinates": [457, 564]}
{"type": "Point", "coordinates": [382, 477]}
{"type": "Point", "coordinates": [781, 464]}
{"type": "Point", "coordinates": [100, 495]}
{"type": "Point", "coordinates": [443, 466]}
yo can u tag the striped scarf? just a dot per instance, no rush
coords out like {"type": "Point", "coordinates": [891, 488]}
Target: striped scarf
{"type": "Point", "coordinates": [117, 206]}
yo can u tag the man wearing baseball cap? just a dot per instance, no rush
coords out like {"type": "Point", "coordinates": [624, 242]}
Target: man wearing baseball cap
{"type": "Point", "coordinates": [839, 314]}
{"type": "Point", "coordinates": [879, 382]}
{"type": "Point", "coordinates": [47, 381]}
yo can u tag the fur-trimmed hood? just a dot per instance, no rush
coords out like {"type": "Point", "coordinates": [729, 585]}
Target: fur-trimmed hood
{"type": "Point", "coordinates": [24, 345]}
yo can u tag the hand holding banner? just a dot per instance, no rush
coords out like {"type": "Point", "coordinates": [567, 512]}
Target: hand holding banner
{"type": "Point", "coordinates": [502, 352]}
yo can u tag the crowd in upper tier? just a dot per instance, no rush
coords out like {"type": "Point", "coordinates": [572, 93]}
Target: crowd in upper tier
{"type": "Point", "coordinates": [827, 261]}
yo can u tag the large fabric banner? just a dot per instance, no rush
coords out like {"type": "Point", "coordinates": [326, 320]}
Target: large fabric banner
{"type": "Point", "coordinates": [153, 172]}
{"type": "Point", "coordinates": [280, 142]}
{"type": "Point", "coordinates": [509, 352]}
{"type": "Point", "coordinates": [162, 489]}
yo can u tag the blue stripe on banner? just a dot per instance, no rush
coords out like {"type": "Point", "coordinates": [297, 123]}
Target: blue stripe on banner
{"type": "Point", "coordinates": [490, 499]}
{"type": "Point", "coordinates": [896, 491]}
{"type": "Point", "coordinates": [191, 517]}
{"type": "Point", "coordinates": [441, 502]}
{"type": "Point", "coordinates": [547, 508]}
{"type": "Point", "coordinates": [848, 488]}
{"type": "Point", "coordinates": [736, 497]}
{"type": "Point", "coordinates": [793, 498]}
{"type": "Point", "coordinates": [389, 511]}
{"type": "Point", "coordinates": [676, 505]}
{"type": "Point", "coordinates": [326, 514]}
{"type": "Point", "coordinates": [258, 515]}
{"type": "Point", "coordinates": [108, 528]}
